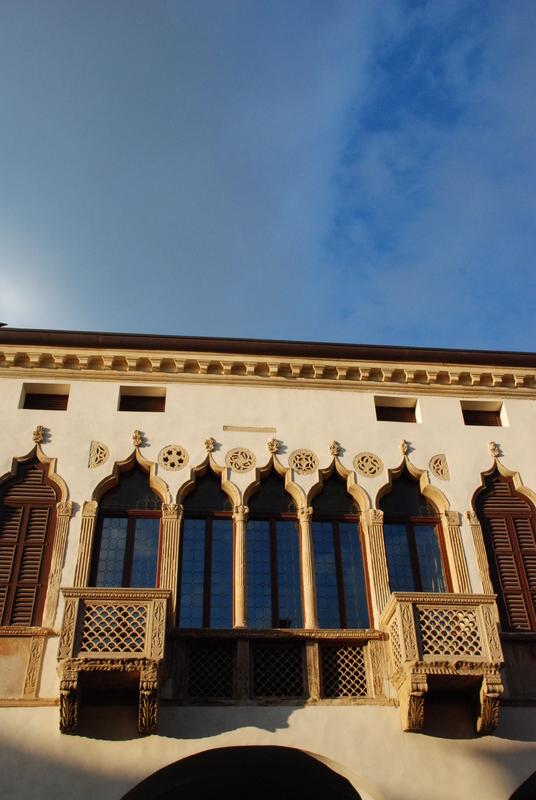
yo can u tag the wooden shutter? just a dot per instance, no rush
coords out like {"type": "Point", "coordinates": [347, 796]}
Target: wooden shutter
{"type": "Point", "coordinates": [509, 522]}
{"type": "Point", "coordinates": [26, 529]}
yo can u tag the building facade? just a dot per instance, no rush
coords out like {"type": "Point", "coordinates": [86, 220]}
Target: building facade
{"type": "Point", "coordinates": [238, 566]}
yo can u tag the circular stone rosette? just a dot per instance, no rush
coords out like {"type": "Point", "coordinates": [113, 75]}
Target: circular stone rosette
{"type": "Point", "coordinates": [240, 460]}
{"type": "Point", "coordinates": [304, 462]}
{"type": "Point", "coordinates": [173, 457]}
{"type": "Point", "coordinates": [368, 464]}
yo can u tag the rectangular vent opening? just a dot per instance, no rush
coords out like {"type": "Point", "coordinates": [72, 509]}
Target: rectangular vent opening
{"type": "Point", "coordinates": [396, 409]}
{"type": "Point", "coordinates": [150, 399]}
{"type": "Point", "coordinates": [490, 415]}
{"type": "Point", "coordinates": [46, 397]}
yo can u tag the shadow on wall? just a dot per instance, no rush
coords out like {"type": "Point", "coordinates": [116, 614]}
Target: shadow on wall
{"type": "Point", "coordinates": [527, 790]}
{"type": "Point", "coordinates": [243, 773]}
{"type": "Point", "coordinates": [120, 722]}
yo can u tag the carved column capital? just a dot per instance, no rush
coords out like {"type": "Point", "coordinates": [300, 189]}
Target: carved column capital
{"type": "Point", "coordinates": [305, 514]}
{"type": "Point", "coordinates": [240, 513]}
{"type": "Point", "coordinates": [451, 518]}
{"type": "Point", "coordinates": [171, 511]}
{"type": "Point", "coordinates": [65, 508]}
{"type": "Point", "coordinates": [90, 508]}
{"type": "Point", "coordinates": [471, 518]}
{"type": "Point", "coordinates": [372, 516]}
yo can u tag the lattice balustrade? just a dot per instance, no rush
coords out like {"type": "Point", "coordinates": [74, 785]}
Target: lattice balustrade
{"type": "Point", "coordinates": [343, 672]}
{"type": "Point", "coordinates": [449, 631]}
{"type": "Point", "coordinates": [278, 671]}
{"type": "Point", "coordinates": [113, 628]}
{"type": "Point", "coordinates": [448, 642]}
{"type": "Point", "coordinates": [210, 672]}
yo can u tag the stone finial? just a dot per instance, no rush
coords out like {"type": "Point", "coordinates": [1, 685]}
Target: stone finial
{"type": "Point", "coordinates": [209, 444]}
{"type": "Point", "coordinates": [273, 446]}
{"type": "Point", "coordinates": [494, 449]}
{"type": "Point", "coordinates": [334, 448]}
{"type": "Point", "coordinates": [137, 438]}
{"type": "Point", "coordinates": [39, 434]}
{"type": "Point", "coordinates": [403, 447]}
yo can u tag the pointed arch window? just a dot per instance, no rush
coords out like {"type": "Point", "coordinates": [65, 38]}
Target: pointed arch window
{"type": "Point", "coordinates": [206, 557]}
{"type": "Point", "coordinates": [341, 584]}
{"type": "Point", "coordinates": [413, 540]}
{"type": "Point", "coordinates": [508, 521]}
{"type": "Point", "coordinates": [27, 524]}
{"type": "Point", "coordinates": [273, 545]}
{"type": "Point", "coordinates": [126, 552]}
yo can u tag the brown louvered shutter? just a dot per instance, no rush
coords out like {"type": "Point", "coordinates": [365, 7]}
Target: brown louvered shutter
{"type": "Point", "coordinates": [26, 530]}
{"type": "Point", "coordinates": [509, 524]}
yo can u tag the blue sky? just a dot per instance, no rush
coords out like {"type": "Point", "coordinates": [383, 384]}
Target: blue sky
{"type": "Point", "coordinates": [359, 171]}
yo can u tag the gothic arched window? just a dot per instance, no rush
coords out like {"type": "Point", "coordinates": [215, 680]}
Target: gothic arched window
{"type": "Point", "coordinates": [508, 522]}
{"type": "Point", "coordinates": [206, 558]}
{"type": "Point", "coordinates": [413, 541]}
{"type": "Point", "coordinates": [341, 586]}
{"type": "Point", "coordinates": [27, 524]}
{"type": "Point", "coordinates": [126, 551]}
{"type": "Point", "coordinates": [273, 544]}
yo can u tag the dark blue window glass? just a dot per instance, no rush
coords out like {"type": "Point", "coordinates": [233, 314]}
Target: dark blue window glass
{"type": "Point", "coordinates": [326, 575]}
{"type": "Point", "coordinates": [145, 553]}
{"type": "Point", "coordinates": [288, 574]}
{"type": "Point", "coordinates": [259, 575]}
{"type": "Point", "coordinates": [221, 583]}
{"type": "Point", "coordinates": [193, 570]}
{"type": "Point", "coordinates": [112, 552]}
{"type": "Point", "coordinates": [398, 558]}
{"type": "Point", "coordinates": [430, 563]}
{"type": "Point", "coordinates": [355, 588]}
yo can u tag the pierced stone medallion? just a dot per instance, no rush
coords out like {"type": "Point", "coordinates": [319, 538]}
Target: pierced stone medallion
{"type": "Point", "coordinates": [304, 462]}
{"type": "Point", "coordinates": [98, 455]}
{"type": "Point", "coordinates": [439, 467]}
{"type": "Point", "coordinates": [173, 457]}
{"type": "Point", "coordinates": [368, 464]}
{"type": "Point", "coordinates": [240, 460]}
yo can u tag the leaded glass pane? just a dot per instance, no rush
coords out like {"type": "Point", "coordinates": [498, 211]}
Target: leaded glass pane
{"type": "Point", "coordinates": [398, 560]}
{"type": "Point", "coordinates": [145, 555]}
{"type": "Point", "coordinates": [259, 578]}
{"type": "Point", "coordinates": [112, 552]}
{"type": "Point", "coordinates": [132, 492]}
{"type": "Point", "coordinates": [405, 498]}
{"type": "Point", "coordinates": [355, 588]}
{"type": "Point", "coordinates": [431, 566]}
{"type": "Point", "coordinates": [221, 599]}
{"type": "Point", "coordinates": [326, 575]}
{"type": "Point", "coordinates": [288, 569]}
{"type": "Point", "coordinates": [193, 570]}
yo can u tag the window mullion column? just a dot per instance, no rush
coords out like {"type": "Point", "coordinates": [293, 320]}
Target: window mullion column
{"type": "Point", "coordinates": [240, 517]}
{"type": "Point", "coordinates": [310, 615]}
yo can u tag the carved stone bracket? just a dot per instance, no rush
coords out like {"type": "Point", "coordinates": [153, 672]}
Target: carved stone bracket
{"type": "Point", "coordinates": [411, 693]}
{"type": "Point", "coordinates": [489, 696]}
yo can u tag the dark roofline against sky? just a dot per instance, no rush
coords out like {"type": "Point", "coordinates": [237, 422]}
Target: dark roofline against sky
{"type": "Point", "coordinates": [263, 347]}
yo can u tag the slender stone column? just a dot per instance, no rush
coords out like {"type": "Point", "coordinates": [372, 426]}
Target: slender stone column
{"type": "Point", "coordinates": [169, 564]}
{"type": "Point", "coordinates": [480, 549]}
{"type": "Point", "coordinates": [455, 552]}
{"type": "Point", "coordinates": [64, 512]}
{"type": "Point", "coordinates": [85, 548]}
{"type": "Point", "coordinates": [310, 615]}
{"type": "Point", "coordinates": [372, 524]}
{"type": "Point", "coordinates": [240, 516]}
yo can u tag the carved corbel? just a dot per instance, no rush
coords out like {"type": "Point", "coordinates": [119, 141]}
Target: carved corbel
{"type": "Point", "coordinates": [148, 703]}
{"type": "Point", "coordinates": [450, 521]}
{"type": "Point", "coordinates": [305, 516]}
{"type": "Point", "coordinates": [411, 696]}
{"type": "Point", "coordinates": [489, 696]}
{"type": "Point", "coordinates": [69, 701]}
{"type": "Point", "coordinates": [89, 517]}
{"type": "Point", "coordinates": [240, 517]}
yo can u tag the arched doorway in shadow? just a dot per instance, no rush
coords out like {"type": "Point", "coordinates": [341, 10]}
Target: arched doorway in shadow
{"type": "Point", "coordinates": [265, 773]}
{"type": "Point", "coordinates": [527, 790]}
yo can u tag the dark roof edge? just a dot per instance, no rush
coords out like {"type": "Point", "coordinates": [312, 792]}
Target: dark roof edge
{"type": "Point", "coordinates": [264, 347]}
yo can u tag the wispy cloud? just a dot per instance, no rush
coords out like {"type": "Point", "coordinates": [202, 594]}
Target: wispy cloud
{"type": "Point", "coordinates": [316, 170]}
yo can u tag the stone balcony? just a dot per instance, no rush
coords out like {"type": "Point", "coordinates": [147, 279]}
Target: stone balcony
{"type": "Point", "coordinates": [117, 632]}
{"type": "Point", "coordinates": [445, 642]}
